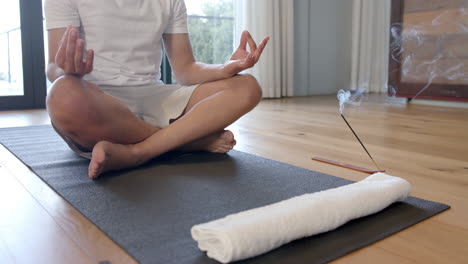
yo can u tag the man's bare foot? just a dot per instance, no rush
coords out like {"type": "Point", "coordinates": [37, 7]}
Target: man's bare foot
{"type": "Point", "coordinates": [220, 142]}
{"type": "Point", "coordinates": [108, 156]}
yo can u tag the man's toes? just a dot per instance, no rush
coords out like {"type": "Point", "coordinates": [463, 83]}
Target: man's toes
{"type": "Point", "coordinates": [97, 160]}
{"type": "Point", "coordinates": [227, 135]}
{"type": "Point", "coordinates": [225, 148]}
{"type": "Point", "coordinates": [95, 169]}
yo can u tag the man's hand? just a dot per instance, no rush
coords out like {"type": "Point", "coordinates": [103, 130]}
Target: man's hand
{"type": "Point", "coordinates": [69, 56]}
{"type": "Point", "coordinates": [241, 59]}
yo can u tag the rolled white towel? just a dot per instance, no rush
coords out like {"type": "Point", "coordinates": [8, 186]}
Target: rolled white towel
{"type": "Point", "coordinates": [256, 231]}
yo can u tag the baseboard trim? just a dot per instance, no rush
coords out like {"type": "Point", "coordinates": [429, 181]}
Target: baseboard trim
{"type": "Point", "coordinates": [440, 103]}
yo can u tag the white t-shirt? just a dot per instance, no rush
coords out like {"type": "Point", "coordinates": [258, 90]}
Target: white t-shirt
{"type": "Point", "coordinates": [126, 35]}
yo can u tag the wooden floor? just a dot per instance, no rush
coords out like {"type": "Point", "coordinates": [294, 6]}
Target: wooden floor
{"type": "Point", "coordinates": [426, 145]}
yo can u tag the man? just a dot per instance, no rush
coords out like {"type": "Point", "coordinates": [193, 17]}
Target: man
{"type": "Point", "coordinates": [106, 100]}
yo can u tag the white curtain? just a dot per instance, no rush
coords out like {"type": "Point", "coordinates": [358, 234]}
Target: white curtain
{"type": "Point", "coordinates": [273, 18]}
{"type": "Point", "coordinates": [370, 45]}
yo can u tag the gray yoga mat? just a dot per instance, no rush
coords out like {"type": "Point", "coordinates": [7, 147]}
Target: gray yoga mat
{"type": "Point", "coordinates": [149, 211]}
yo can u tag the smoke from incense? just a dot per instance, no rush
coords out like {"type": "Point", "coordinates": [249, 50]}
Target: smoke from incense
{"type": "Point", "coordinates": [343, 96]}
{"type": "Point", "coordinates": [348, 97]}
{"type": "Point", "coordinates": [425, 58]}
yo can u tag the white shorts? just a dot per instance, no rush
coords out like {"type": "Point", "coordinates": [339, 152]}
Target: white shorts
{"type": "Point", "coordinates": [156, 104]}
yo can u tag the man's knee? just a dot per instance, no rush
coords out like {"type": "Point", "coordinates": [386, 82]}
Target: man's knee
{"type": "Point", "coordinates": [66, 103]}
{"type": "Point", "coordinates": [64, 91]}
{"type": "Point", "coordinates": [251, 90]}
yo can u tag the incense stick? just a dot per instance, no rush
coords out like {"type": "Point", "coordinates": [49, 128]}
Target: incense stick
{"type": "Point", "coordinates": [352, 130]}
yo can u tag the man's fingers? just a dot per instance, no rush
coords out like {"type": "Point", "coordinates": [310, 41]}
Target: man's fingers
{"type": "Point", "coordinates": [248, 62]}
{"type": "Point", "coordinates": [252, 44]}
{"type": "Point", "coordinates": [64, 39]}
{"type": "Point", "coordinates": [243, 40]}
{"type": "Point", "coordinates": [89, 62]}
{"type": "Point", "coordinates": [65, 34]}
{"type": "Point", "coordinates": [61, 52]}
{"type": "Point", "coordinates": [249, 58]}
{"type": "Point", "coordinates": [70, 50]}
{"type": "Point", "coordinates": [79, 56]}
{"type": "Point", "coordinates": [261, 47]}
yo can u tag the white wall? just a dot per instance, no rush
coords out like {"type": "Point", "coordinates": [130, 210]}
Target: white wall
{"type": "Point", "coordinates": [322, 46]}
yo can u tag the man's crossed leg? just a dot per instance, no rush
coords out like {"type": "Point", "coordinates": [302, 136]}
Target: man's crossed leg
{"type": "Point", "coordinates": [118, 139]}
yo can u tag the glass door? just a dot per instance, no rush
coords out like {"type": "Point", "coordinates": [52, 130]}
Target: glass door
{"type": "Point", "coordinates": [22, 77]}
{"type": "Point", "coordinates": [11, 66]}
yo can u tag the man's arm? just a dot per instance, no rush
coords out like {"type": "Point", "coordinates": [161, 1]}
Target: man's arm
{"type": "Point", "coordinates": [189, 72]}
{"type": "Point", "coordinates": [66, 54]}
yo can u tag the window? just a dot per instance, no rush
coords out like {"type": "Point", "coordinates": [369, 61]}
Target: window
{"type": "Point", "coordinates": [211, 27]}
{"type": "Point", "coordinates": [11, 67]}
{"type": "Point", "coordinates": [22, 72]}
